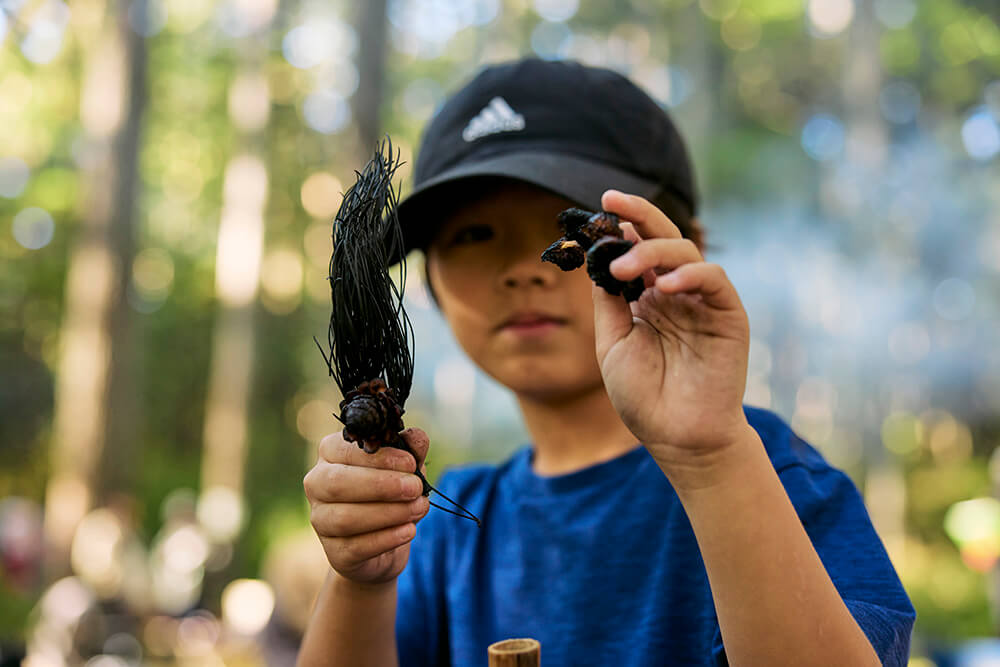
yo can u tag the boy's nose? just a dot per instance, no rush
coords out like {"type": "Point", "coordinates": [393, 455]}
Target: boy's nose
{"type": "Point", "coordinates": [528, 269]}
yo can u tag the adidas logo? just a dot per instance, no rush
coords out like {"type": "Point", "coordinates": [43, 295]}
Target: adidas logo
{"type": "Point", "coordinates": [497, 116]}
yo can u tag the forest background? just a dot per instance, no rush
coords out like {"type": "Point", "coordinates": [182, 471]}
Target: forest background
{"type": "Point", "coordinates": [169, 170]}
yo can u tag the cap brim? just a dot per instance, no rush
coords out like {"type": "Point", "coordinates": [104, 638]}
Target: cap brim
{"type": "Point", "coordinates": [578, 179]}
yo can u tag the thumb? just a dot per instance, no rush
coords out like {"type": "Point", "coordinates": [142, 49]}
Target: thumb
{"type": "Point", "coordinates": [418, 441]}
{"type": "Point", "coordinates": [612, 319]}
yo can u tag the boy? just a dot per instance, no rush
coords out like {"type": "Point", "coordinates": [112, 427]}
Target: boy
{"type": "Point", "coordinates": [721, 539]}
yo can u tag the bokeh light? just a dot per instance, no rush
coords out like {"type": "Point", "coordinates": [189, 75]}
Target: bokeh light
{"type": "Point", "coordinates": [66, 601]}
{"type": "Point", "coordinates": [424, 28]}
{"type": "Point", "coordinates": [96, 556]}
{"type": "Point", "coordinates": [895, 13]}
{"type": "Point", "coordinates": [241, 18]}
{"type": "Point", "coordinates": [184, 16]}
{"type": "Point", "coordinates": [954, 299]}
{"type": "Point", "coordinates": [974, 526]}
{"type": "Point", "coordinates": [719, 10]}
{"type": "Point", "coordinates": [250, 101]}
{"type": "Point", "coordinates": [14, 175]}
{"type": "Point", "coordinates": [981, 135]}
{"type": "Point", "coordinates": [823, 137]}
{"type": "Point", "coordinates": [247, 605]}
{"type": "Point", "coordinates": [830, 17]}
{"type": "Point", "coordinates": [671, 86]}
{"type": "Point", "coordinates": [551, 41]}
{"type": "Point", "coordinates": [33, 228]}
{"type": "Point", "coordinates": [326, 111]}
{"type": "Point", "coordinates": [281, 279]}
{"type": "Point", "coordinates": [318, 41]}
{"type": "Point", "coordinates": [902, 433]}
{"type": "Point", "coordinates": [220, 513]}
{"type": "Point", "coordinates": [153, 273]}
{"type": "Point", "coordinates": [321, 194]}
{"type": "Point", "coordinates": [741, 31]}
{"type": "Point", "coordinates": [556, 10]}
{"type": "Point", "coordinates": [178, 567]}
{"type": "Point", "coordinates": [44, 40]}
{"type": "Point", "coordinates": [197, 635]}
{"type": "Point", "coordinates": [315, 419]}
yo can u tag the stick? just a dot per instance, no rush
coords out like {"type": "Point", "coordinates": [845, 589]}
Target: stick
{"type": "Point", "coordinates": [515, 653]}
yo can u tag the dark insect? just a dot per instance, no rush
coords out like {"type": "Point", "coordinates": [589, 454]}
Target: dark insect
{"type": "Point", "coordinates": [594, 238]}
{"type": "Point", "coordinates": [370, 337]}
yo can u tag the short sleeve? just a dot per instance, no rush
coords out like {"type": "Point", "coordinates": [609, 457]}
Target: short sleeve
{"type": "Point", "coordinates": [421, 628]}
{"type": "Point", "coordinates": [834, 516]}
{"type": "Point", "coordinates": [836, 520]}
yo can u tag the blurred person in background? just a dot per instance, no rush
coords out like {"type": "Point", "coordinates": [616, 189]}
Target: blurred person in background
{"type": "Point", "coordinates": [653, 519]}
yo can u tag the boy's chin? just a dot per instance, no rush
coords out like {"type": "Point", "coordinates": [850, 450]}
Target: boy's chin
{"type": "Point", "coordinates": [545, 385]}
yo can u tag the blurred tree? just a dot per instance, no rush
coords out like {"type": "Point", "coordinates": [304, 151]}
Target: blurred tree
{"type": "Point", "coordinates": [239, 252]}
{"type": "Point", "coordinates": [367, 101]}
{"type": "Point", "coordinates": [94, 445]}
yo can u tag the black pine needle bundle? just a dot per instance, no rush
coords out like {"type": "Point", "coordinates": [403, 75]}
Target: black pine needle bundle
{"type": "Point", "coordinates": [370, 338]}
{"type": "Point", "coordinates": [370, 335]}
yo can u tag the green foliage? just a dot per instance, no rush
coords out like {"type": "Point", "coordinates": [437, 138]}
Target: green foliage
{"type": "Point", "coordinates": [750, 102]}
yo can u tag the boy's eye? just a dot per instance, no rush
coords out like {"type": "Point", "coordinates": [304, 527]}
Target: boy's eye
{"type": "Point", "coordinates": [472, 234]}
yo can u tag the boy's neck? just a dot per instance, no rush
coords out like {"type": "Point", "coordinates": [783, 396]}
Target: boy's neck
{"type": "Point", "coordinates": [573, 433]}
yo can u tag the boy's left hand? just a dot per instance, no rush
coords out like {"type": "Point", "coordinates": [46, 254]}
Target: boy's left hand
{"type": "Point", "coordinates": [675, 361]}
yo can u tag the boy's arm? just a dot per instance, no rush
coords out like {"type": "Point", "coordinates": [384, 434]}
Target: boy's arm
{"type": "Point", "coordinates": [685, 344]}
{"type": "Point", "coordinates": [364, 509]}
{"type": "Point", "coordinates": [352, 624]}
{"type": "Point", "coordinates": [774, 599]}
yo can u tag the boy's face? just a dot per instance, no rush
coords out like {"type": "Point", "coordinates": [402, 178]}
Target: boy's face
{"type": "Point", "coordinates": [525, 322]}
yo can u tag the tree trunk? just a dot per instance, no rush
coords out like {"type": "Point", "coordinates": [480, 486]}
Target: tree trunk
{"type": "Point", "coordinates": [93, 448]}
{"type": "Point", "coordinates": [372, 29]}
{"type": "Point", "coordinates": [239, 255]}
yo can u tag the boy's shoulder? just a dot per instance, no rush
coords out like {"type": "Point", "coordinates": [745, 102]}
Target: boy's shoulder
{"type": "Point", "coordinates": [784, 447]}
{"type": "Point", "coordinates": [470, 478]}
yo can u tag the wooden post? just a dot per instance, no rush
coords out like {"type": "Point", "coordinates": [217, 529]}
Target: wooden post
{"type": "Point", "coordinates": [515, 653]}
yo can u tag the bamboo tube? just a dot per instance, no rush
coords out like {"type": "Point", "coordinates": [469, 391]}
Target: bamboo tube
{"type": "Point", "coordinates": [515, 653]}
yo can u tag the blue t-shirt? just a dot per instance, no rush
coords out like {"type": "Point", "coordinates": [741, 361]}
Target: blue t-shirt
{"type": "Point", "coordinates": [602, 567]}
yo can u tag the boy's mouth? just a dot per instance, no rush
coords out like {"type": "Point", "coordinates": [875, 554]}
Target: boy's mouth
{"type": "Point", "coordinates": [531, 322]}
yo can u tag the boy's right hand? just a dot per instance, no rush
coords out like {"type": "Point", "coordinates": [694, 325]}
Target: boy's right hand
{"type": "Point", "coordinates": [364, 507]}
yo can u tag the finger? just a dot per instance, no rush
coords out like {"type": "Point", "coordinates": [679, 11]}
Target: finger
{"type": "Point", "coordinates": [612, 320]}
{"type": "Point", "coordinates": [649, 221]}
{"type": "Point", "coordinates": [660, 255]}
{"type": "Point", "coordinates": [334, 449]}
{"type": "Point", "coordinates": [348, 552]}
{"type": "Point", "coordinates": [628, 230]}
{"type": "Point", "coordinates": [349, 519]}
{"type": "Point", "coordinates": [418, 442]}
{"type": "Point", "coordinates": [340, 483]}
{"type": "Point", "coordinates": [708, 280]}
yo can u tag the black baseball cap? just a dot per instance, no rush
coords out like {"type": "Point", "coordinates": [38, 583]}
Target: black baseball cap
{"type": "Point", "coordinates": [569, 128]}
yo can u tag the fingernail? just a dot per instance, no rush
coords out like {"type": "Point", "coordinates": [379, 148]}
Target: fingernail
{"type": "Point", "coordinates": [412, 487]}
{"type": "Point", "coordinates": [623, 263]}
{"type": "Point", "coordinates": [418, 507]}
{"type": "Point", "coordinates": [667, 279]}
{"type": "Point", "coordinates": [406, 532]}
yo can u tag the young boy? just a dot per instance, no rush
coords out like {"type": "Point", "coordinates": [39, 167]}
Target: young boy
{"type": "Point", "coordinates": [653, 520]}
